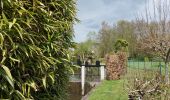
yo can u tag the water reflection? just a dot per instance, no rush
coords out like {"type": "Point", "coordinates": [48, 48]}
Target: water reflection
{"type": "Point", "coordinates": [75, 90]}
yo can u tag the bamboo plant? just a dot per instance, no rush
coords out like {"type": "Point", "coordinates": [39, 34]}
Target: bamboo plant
{"type": "Point", "coordinates": [35, 36]}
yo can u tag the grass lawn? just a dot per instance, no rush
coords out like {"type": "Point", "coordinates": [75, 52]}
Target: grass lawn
{"type": "Point", "coordinates": [109, 90]}
{"type": "Point", "coordinates": [114, 90]}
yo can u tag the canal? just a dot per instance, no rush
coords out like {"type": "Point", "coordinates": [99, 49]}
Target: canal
{"type": "Point", "coordinates": [75, 90]}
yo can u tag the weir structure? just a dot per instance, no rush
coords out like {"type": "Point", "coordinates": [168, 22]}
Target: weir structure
{"type": "Point", "coordinates": [83, 72]}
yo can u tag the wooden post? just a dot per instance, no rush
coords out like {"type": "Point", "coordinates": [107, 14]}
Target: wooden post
{"type": "Point", "coordinates": [102, 72]}
{"type": "Point", "coordinates": [82, 79]}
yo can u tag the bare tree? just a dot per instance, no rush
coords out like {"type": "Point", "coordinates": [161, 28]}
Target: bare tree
{"type": "Point", "coordinates": [106, 39]}
{"type": "Point", "coordinates": [153, 31]}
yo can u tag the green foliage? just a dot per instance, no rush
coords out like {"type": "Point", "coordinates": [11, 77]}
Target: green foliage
{"type": "Point", "coordinates": [146, 59]}
{"type": "Point", "coordinates": [84, 50]}
{"type": "Point", "coordinates": [108, 35]}
{"type": "Point", "coordinates": [35, 36]}
{"type": "Point", "coordinates": [121, 45]}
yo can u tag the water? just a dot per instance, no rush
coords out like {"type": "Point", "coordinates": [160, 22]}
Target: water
{"type": "Point", "coordinates": [75, 90]}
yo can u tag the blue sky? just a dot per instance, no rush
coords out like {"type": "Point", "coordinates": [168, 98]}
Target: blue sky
{"type": "Point", "coordinates": [92, 13]}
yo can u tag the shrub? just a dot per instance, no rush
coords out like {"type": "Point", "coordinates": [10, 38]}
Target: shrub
{"type": "Point", "coordinates": [116, 65]}
{"type": "Point", "coordinates": [35, 36]}
{"type": "Point", "coordinates": [121, 45]}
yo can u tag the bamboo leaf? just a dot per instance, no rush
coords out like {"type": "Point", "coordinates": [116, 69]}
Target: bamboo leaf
{"type": "Point", "coordinates": [8, 75]}
{"type": "Point", "coordinates": [19, 30]}
{"type": "Point", "coordinates": [20, 95]}
{"type": "Point", "coordinates": [33, 85]}
{"type": "Point", "coordinates": [20, 11]}
{"type": "Point", "coordinates": [9, 37]}
{"type": "Point", "coordinates": [52, 77]}
{"type": "Point", "coordinates": [14, 60]}
{"type": "Point", "coordinates": [44, 82]}
{"type": "Point", "coordinates": [6, 69]}
{"type": "Point", "coordinates": [4, 17]}
{"type": "Point", "coordinates": [1, 24]}
{"type": "Point", "coordinates": [3, 59]}
{"type": "Point", "coordinates": [1, 39]}
{"type": "Point", "coordinates": [40, 3]}
{"type": "Point", "coordinates": [12, 23]}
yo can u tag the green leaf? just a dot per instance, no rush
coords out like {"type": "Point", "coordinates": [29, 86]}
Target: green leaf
{"type": "Point", "coordinates": [12, 23]}
{"type": "Point", "coordinates": [8, 75]}
{"type": "Point", "coordinates": [20, 95]}
{"type": "Point", "coordinates": [9, 37]}
{"type": "Point", "coordinates": [1, 39]}
{"type": "Point", "coordinates": [20, 11]}
{"type": "Point", "coordinates": [9, 0]}
{"type": "Point", "coordinates": [1, 24]}
{"type": "Point", "coordinates": [3, 59]}
{"type": "Point", "coordinates": [4, 17]}
{"type": "Point", "coordinates": [52, 77]}
{"type": "Point", "coordinates": [19, 30]}
{"type": "Point", "coordinates": [13, 59]}
{"type": "Point", "coordinates": [6, 69]}
{"type": "Point", "coordinates": [40, 3]}
{"type": "Point", "coordinates": [33, 85]}
{"type": "Point", "coordinates": [44, 81]}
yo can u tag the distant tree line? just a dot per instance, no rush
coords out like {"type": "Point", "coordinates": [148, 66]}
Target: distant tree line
{"type": "Point", "coordinates": [104, 41]}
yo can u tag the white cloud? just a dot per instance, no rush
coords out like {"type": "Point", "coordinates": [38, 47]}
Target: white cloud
{"type": "Point", "coordinates": [93, 12]}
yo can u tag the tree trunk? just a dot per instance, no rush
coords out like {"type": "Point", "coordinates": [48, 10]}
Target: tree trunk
{"type": "Point", "coordinates": [166, 67]}
{"type": "Point", "coordinates": [166, 73]}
